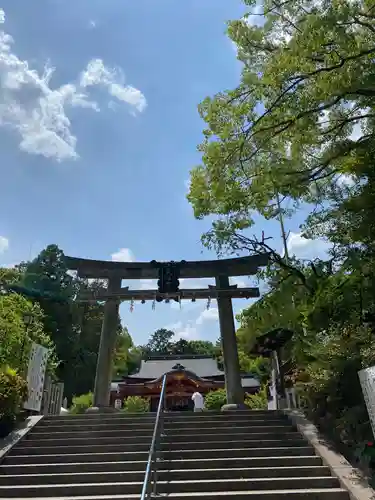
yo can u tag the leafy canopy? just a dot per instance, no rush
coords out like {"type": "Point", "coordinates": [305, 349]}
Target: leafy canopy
{"type": "Point", "coordinates": [16, 337]}
{"type": "Point", "coordinates": [301, 121]}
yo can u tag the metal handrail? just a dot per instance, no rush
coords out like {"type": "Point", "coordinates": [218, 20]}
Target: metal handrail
{"type": "Point", "coordinates": [151, 475]}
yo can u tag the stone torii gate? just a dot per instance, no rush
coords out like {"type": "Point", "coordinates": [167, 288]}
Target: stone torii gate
{"type": "Point", "coordinates": [113, 295]}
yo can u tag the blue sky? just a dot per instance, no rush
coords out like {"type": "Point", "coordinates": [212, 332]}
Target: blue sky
{"type": "Point", "coordinates": [98, 131]}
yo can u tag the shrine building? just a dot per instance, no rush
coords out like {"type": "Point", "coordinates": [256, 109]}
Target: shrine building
{"type": "Point", "coordinates": [185, 375]}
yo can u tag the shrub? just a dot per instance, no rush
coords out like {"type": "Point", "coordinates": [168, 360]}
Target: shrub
{"type": "Point", "coordinates": [214, 400]}
{"type": "Point", "coordinates": [13, 393]}
{"type": "Point", "coordinates": [15, 338]}
{"type": "Point", "coordinates": [136, 404]}
{"type": "Point", "coordinates": [331, 390]}
{"type": "Point", "coordinates": [257, 401]}
{"type": "Point", "coordinates": [81, 403]}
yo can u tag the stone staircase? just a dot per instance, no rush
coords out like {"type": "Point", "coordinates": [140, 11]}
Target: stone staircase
{"type": "Point", "coordinates": [241, 456]}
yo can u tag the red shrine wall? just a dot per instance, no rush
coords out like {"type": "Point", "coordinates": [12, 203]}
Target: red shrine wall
{"type": "Point", "coordinates": [178, 391]}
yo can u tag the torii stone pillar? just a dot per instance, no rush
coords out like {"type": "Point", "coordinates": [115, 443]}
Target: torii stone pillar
{"type": "Point", "coordinates": [104, 363]}
{"type": "Point", "coordinates": [235, 393]}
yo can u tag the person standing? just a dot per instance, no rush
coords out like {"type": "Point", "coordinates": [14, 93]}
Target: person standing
{"type": "Point", "coordinates": [198, 401]}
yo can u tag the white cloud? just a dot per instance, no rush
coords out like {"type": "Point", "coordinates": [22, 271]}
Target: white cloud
{"type": "Point", "coordinates": [345, 180]}
{"type": "Point", "coordinates": [174, 326]}
{"type": "Point", "coordinates": [323, 119]}
{"type": "Point", "coordinates": [4, 244]}
{"type": "Point", "coordinates": [255, 18]}
{"type": "Point", "coordinates": [188, 283]}
{"type": "Point", "coordinates": [10, 266]}
{"type": "Point", "coordinates": [356, 133]}
{"type": "Point", "coordinates": [146, 284]}
{"type": "Point", "coordinates": [187, 184]}
{"type": "Point", "coordinates": [192, 327]}
{"type": "Point", "coordinates": [186, 331]}
{"type": "Point", "coordinates": [38, 113]}
{"type": "Point", "coordinates": [240, 281]}
{"type": "Point", "coordinates": [97, 73]}
{"type": "Point", "coordinates": [211, 314]}
{"type": "Point", "coordinates": [304, 248]}
{"type": "Point", "coordinates": [123, 255]}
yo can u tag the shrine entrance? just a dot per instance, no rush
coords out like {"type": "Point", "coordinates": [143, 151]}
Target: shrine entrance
{"type": "Point", "coordinates": [180, 386]}
{"type": "Point", "coordinates": [168, 275]}
{"type": "Point", "coordinates": [179, 404]}
{"type": "Point", "coordinates": [173, 403]}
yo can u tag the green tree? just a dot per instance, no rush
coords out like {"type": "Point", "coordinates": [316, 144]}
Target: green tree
{"type": "Point", "coordinates": [70, 328]}
{"type": "Point", "coordinates": [9, 276]}
{"type": "Point", "coordinates": [127, 358]}
{"type": "Point", "coordinates": [300, 127]}
{"type": "Point", "coordinates": [193, 347]}
{"type": "Point", "coordinates": [48, 274]}
{"type": "Point", "coordinates": [136, 404]}
{"type": "Point", "coordinates": [300, 123]}
{"type": "Point", "coordinates": [16, 337]}
{"type": "Point", "coordinates": [160, 342]}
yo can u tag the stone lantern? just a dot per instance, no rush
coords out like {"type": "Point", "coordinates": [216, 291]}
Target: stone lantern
{"type": "Point", "coordinates": [270, 345]}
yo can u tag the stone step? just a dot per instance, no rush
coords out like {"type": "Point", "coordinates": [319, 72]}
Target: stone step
{"type": "Point", "coordinates": [88, 430]}
{"type": "Point", "coordinates": [238, 452]}
{"type": "Point", "coordinates": [66, 449]}
{"type": "Point", "coordinates": [98, 416]}
{"type": "Point", "coordinates": [15, 459]}
{"type": "Point", "coordinates": [119, 424]}
{"type": "Point", "coordinates": [231, 433]}
{"type": "Point", "coordinates": [92, 440]}
{"type": "Point", "coordinates": [222, 421]}
{"type": "Point", "coordinates": [276, 426]}
{"type": "Point", "coordinates": [163, 475]}
{"type": "Point", "coordinates": [87, 426]}
{"type": "Point", "coordinates": [242, 428]}
{"type": "Point", "coordinates": [242, 462]}
{"type": "Point", "coordinates": [133, 487]}
{"type": "Point", "coordinates": [213, 463]}
{"type": "Point", "coordinates": [172, 415]}
{"type": "Point", "coordinates": [207, 424]}
{"type": "Point", "coordinates": [101, 445]}
{"type": "Point", "coordinates": [149, 417]}
{"type": "Point", "coordinates": [208, 415]}
{"type": "Point", "coordinates": [266, 413]}
{"type": "Point", "coordinates": [70, 458]}
{"type": "Point", "coordinates": [274, 431]}
{"type": "Point", "coordinates": [67, 421]}
{"type": "Point", "coordinates": [305, 494]}
{"type": "Point", "coordinates": [226, 441]}
{"type": "Point", "coordinates": [290, 494]}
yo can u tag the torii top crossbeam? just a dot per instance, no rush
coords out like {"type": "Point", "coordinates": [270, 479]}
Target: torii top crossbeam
{"type": "Point", "coordinates": [101, 269]}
